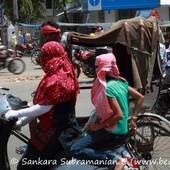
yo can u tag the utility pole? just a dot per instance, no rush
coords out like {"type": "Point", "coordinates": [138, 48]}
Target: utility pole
{"type": "Point", "coordinates": [65, 11]}
{"type": "Point", "coordinates": [54, 8]}
{"type": "Point", "coordinates": [15, 9]}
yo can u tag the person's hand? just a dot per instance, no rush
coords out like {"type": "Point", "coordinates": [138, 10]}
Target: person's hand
{"type": "Point", "coordinates": [93, 127]}
{"type": "Point", "coordinates": [133, 126]}
{"type": "Point", "coordinates": [12, 114]}
{"type": "Point", "coordinates": [18, 125]}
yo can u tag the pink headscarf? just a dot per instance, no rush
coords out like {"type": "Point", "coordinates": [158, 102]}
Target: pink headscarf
{"type": "Point", "coordinates": [106, 64]}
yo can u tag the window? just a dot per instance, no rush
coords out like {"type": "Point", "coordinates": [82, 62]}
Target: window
{"type": "Point", "coordinates": [101, 16]}
{"type": "Point", "coordinates": [126, 14]}
{"type": "Point", "coordinates": [49, 4]}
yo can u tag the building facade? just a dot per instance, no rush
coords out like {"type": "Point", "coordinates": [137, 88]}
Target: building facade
{"type": "Point", "coordinates": [77, 14]}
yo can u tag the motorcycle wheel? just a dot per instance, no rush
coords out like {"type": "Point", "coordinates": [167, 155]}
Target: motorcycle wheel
{"type": "Point", "coordinates": [34, 56]}
{"type": "Point", "coordinates": [16, 66]}
{"type": "Point", "coordinates": [19, 54]}
{"type": "Point", "coordinates": [77, 70]}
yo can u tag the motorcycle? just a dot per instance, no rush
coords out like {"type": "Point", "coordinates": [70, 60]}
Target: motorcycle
{"type": "Point", "coordinates": [27, 49]}
{"type": "Point", "coordinates": [84, 62]}
{"type": "Point", "coordinates": [8, 60]}
{"type": "Point", "coordinates": [8, 101]}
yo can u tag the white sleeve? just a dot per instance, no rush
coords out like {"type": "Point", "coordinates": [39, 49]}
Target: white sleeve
{"type": "Point", "coordinates": [34, 111]}
{"type": "Point", "coordinates": [23, 121]}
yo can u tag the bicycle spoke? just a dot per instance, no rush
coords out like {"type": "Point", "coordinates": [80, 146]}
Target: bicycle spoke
{"type": "Point", "coordinates": [153, 144]}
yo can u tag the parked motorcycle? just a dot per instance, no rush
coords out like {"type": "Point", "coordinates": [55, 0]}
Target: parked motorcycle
{"type": "Point", "coordinates": [84, 61]}
{"type": "Point", "coordinates": [8, 60]}
{"type": "Point", "coordinates": [27, 49]}
{"type": "Point", "coordinates": [34, 56]}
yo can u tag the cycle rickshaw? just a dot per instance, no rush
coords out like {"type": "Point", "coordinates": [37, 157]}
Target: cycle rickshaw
{"type": "Point", "coordinates": [135, 44]}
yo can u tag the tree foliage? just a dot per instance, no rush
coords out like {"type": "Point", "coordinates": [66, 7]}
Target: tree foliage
{"type": "Point", "coordinates": [60, 8]}
{"type": "Point", "coordinates": [61, 5]}
{"type": "Point", "coordinates": [29, 11]}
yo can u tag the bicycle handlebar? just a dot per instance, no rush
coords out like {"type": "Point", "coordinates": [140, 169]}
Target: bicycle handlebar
{"type": "Point", "coordinates": [4, 88]}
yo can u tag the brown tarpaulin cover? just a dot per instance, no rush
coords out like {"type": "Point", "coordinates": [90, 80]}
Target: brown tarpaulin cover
{"type": "Point", "coordinates": [135, 43]}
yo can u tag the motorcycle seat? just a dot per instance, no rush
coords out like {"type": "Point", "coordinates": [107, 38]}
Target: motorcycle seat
{"type": "Point", "coordinates": [115, 144]}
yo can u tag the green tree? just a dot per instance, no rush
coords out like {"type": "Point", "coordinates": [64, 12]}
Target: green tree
{"type": "Point", "coordinates": [29, 11]}
{"type": "Point", "coordinates": [61, 7]}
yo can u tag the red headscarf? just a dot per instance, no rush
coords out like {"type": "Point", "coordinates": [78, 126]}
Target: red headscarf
{"type": "Point", "coordinates": [47, 29]}
{"type": "Point", "coordinates": [59, 83]}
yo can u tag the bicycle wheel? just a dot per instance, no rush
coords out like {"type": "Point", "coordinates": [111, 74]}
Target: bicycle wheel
{"type": "Point", "coordinates": [154, 118]}
{"type": "Point", "coordinates": [162, 105]}
{"type": "Point", "coordinates": [16, 66]}
{"type": "Point", "coordinates": [152, 142]}
{"type": "Point", "coordinates": [34, 56]}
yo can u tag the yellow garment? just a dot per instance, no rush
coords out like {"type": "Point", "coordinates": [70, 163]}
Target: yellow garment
{"type": "Point", "coordinates": [92, 34]}
{"type": "Point", "coordinates": [13, 40]}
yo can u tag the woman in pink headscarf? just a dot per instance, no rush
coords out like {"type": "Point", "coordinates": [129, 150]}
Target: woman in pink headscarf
{"type": "Point", "coordinates": [109, 95]}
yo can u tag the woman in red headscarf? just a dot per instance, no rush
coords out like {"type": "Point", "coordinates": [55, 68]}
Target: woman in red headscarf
{"type": "Point", "coordinates": [109, 95]}
{"type": "Point", "coordinates": [54, 107]}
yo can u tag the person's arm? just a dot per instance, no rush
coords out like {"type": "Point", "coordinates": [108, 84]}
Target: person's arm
{"type": "Point", "coordinates": [138, 104]}
{"type": "Point", "coordinates": [138, 100]}
{"type": "Point", "coordinates": [114, 105]}
{"type": "Point", "coordinates": [23, 121]}
{"type": "Point", "coordinates": [33, 111]}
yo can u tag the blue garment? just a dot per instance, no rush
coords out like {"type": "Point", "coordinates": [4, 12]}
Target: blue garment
{"type": "Point", "coordinates": [163, 55]}
{"type": "Point", "coordinates": [87, 148]}
{"type": "Point", "coordinates": [20, 39]}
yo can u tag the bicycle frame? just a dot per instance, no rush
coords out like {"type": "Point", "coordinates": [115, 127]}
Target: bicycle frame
{"type": "Point", "coordinates": [150, 116]}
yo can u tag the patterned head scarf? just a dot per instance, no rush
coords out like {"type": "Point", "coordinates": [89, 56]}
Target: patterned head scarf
{"type": "Point", "coordinates": [47, 29]}
{"type": "Point", "coordinates": [59, 83]}
{"type": "Point", "coordinates": [105, 64]}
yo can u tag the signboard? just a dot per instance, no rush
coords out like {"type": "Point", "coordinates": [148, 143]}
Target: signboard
{"type": "Point", "coordinates": [1, 15]}
{"type": "Point", "coordinates": [148, 13]}
{"type": "Point", "coordinates": [165, 2]}
{"type": "Point", "coordinates": [94, 5]}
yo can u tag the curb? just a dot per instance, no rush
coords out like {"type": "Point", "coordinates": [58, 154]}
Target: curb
{"type": "Point", "coordinates": [20, 78]}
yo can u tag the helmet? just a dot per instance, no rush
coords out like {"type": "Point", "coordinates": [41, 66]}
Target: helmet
{"type": "Point", "coordinates": [8, 102]}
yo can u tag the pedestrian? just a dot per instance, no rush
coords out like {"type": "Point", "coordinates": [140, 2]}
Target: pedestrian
{"type": "Point", "coordinates": [13, 40]}
{"type": "Point", "coordinates": [109, 95]}
{"type": "Point", "coordinates": [51, 31]}
{"type": "Point", "coordinates": [52, 119]}
{"type": "Point", "coordinates": [28, 38]}
{"type": "Point", "coordinates": [102, 49]}
{"type": "Point", "coordinates": [163, 55]}
{"type": "Point", "coordinates": [99, 30]}
{"type": "Point", "coordinates": [93, 32]}
{"type": "Point", "coordinates": [20, 38]}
